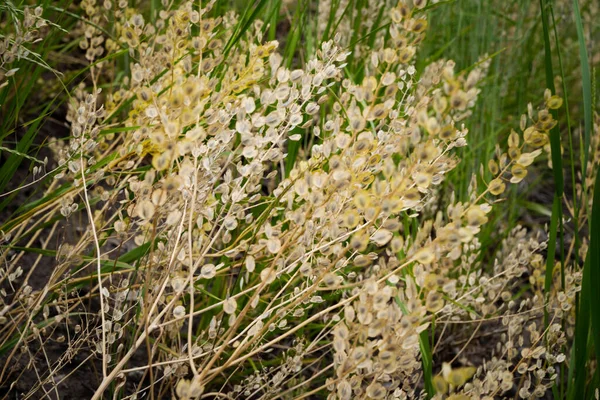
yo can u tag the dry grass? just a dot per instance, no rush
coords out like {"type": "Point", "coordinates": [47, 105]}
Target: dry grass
{"type": "Point", "coordinates": [228, 217]}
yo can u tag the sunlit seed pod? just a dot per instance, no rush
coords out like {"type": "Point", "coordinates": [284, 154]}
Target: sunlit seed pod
{"type": "Point", "coordinates": [274, 245]}
{"type": "Point", "coordinates": [379, 111]}
{"type": "Point", "coordinates": [363, 146]}
{"type": "Point", "coordinates": [230, 306]}
{"type": "Point", "coordinates": [422, 179]}
{"type": "Point", "coordinates": [362, 261]}
{"type": "Point", "coordinates": [344, 390]}
{"type": "Point", "coordinates": [554, 102]}
{"type": "Point", "coordinates": [424, 256]}
{"type": "Point", "coordinates": [406, 54]}
{"type": "Point", "coordinates": [431, 282]}
{"type": "Point", "coordinates": [432, 125]}
{"type": "Point", "coordinates": [208, 271]}
{"type": "Point", "coordinates": [376, 391]}
{"type": "Point", "coordinates": [514, 152]}
{"type": "Point", "coordinates": [389, 55]}
{"type": "Point", "coordinates": [458, 101]}
{"type": "Point", "coordinates": [179, 312]}
{"type": "Point", "coordinates": [544, 116]}
{"type": "Point", "coordinates": [359, 353]}
{"type": "Point", "coordinates": [162, 161]}
{"type": "Point", "coordinates": [379, 188]}
{"type": "Point", "coordinates": [391, 205]}
{"type": "Point", "coordinates": [411, 197]}
{"type": "Point", "coordinates": [527, 134]}
{"type": "Point", "coordinates": [427, 152]}
{"type": "Point", "coordinates": [268, 275]}
{"type": "Point", "coordinates": [523, 122]}
{"type": "Point", "coordinates": [158, 138]}
{"type": "Point", "coordinates": [175, 99]}
{"type": "Point", "coordinates": [434, 302]}
{"type": "Point", "coordinates": [497, 187]}
{"type": "Point", "coordinates": [335, 163]}
{"type": "Point", "coordinates": [419, 25]}
{"type": "Point", "coordinates": [351, 219]}
{"type": "Point", "coordinates": [343, 140]}
{"type": "Point", "coordinates": [172, 183]}
{"type": "Point", "coordinates": [519, 172]}
{"type": "Point", "coordinates": [381, 237]}
{"type": "Point", "coordinates": [341, 175]}
{"type": "Point", "coordinates": [390, 93]}
{"type": "Point", "coordinates": [459, 376]}
{"type": "Point", "coordinates": [546, 125]}
{"type": "Point", "coordinates": [513, 139]}
{"type": "Point", "coordinates": [405, 11]}
{"type": "Point", "coordinates": [493, 167]}
{"type": "Point", "coordinates": [527, 159]}
{"type": "Point", "coordinates": [440, 385]}
{"type": "Point", "coordinates": [282, 93]}
{"type": "Point", "coordinates": [396, 15]}
{"type": "Point", "coordinates": [397, 244]}
{"type": "Point", "coordinates": [447, 132]}
{"type": "Point", "coordinates": [476, 216]}
{"type": "Point", "coordinates": [374, 160]}
{"type": "Point", "coordinates": [230, 223]}
{"type": "Point", "coordinates": [305, 269]}
{"type": "Point", "coordinates": [420, 4]}
{"type": "Point", "coordinates": [362, 200]}
{"type": "Point", "coordinates": [389, 168]}
{"type": "Point", "coordinates": [537, 139]}
{"type": "Point", "coordinates": [296, 119]}
{"type": "Point", "coordinates": [391, 224]}
{"type": "Point", "coordinates": [330, 279]}
{"type": "Point", "coordinates": [359, 242]}
{"type": "Point", "coordinates": [440, 103]}
{"type": "Point", "coordinates": [145, 209]}
{"type": "Point", "coordinates": [159, 197]}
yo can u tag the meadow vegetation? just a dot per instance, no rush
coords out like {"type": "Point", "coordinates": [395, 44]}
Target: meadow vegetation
{"type": "Point", "coordinates": [341, 199]}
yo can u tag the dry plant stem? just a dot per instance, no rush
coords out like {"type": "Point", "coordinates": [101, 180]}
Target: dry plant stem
{"type": "Point", "coordinates": [233, 361]}
{"type": "Point", "coordinates": [49, 364]}
{"type": "Point", "coordinates": [30, 316]}
{"type": "Point", "coordinates": [215, 394]}
{"type": "Point", "coordinates": [246, 343]}
{"type": "Point", "coordinates": [286, 270]}
{"type": "Point", "coordinates": [29, 244]}
{"type": "Point", "coordinates": [467, 342]}
{"type": "Point", "coordinates": [98, 269]}
{"type": "Point", "coordinates": [303, 384]}
{"type": "Point", "coordinates": [142, 337]}
{"type": "Point", "coordinates": [523, 359]}
{"type": "Point", "coordinates": [20, 228]}
{"type": "Point", "coordinates": [192, 271]}
{"type": "Point", "coordinates": [316, 316]}
{"type": "Point", "coordinates": [9, 307]}
{"type": "Point", "coordinates": [9, 192]}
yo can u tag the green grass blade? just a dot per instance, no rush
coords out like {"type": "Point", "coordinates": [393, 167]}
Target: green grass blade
{"type": "Point", "coordinates": [554, 133]}
{"type": "Point", "coordinates": [586, 82]}
{"type": "Point", "coordinates": [594, 274]}
{"type": "Point", "coordinates": [427, 361]}
{"type": "Point", "coordinates": [243, 25]}
{"type": "Point", "coordinates": [580, 349]}
{"type": "Point", "coordinates": [551, 250]}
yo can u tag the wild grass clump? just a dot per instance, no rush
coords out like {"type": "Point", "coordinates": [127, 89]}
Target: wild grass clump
{"type": "Point", "coordinates": [227, 216]}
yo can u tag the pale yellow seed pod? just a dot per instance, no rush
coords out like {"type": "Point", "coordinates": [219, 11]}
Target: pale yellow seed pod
{"type": "Point", "coordinates": [496, 187]}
